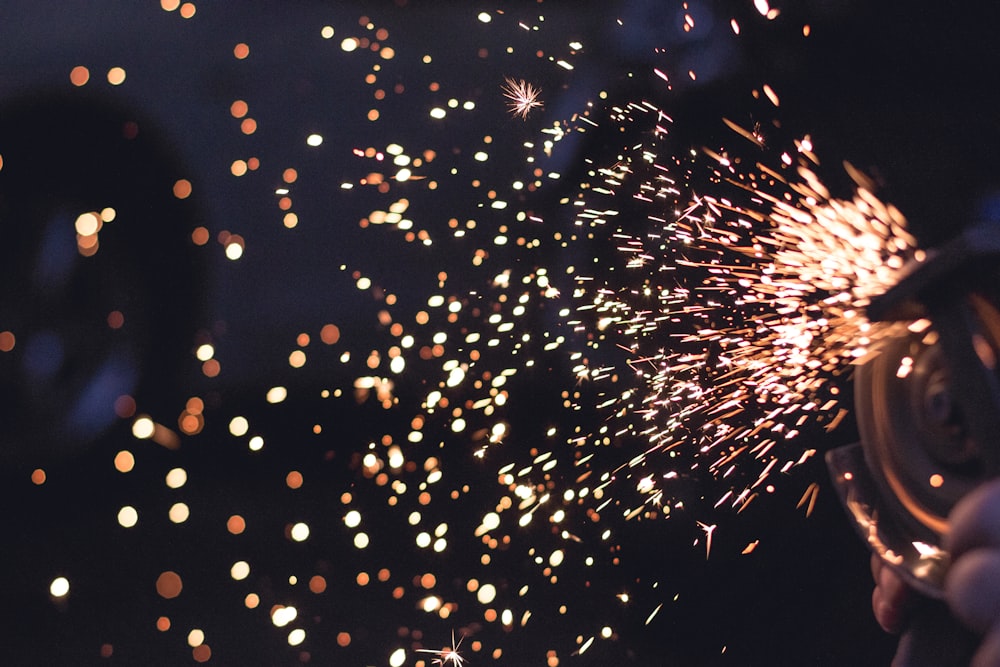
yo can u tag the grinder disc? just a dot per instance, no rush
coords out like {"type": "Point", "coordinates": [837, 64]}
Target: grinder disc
{"type": "Point", "coordinates": [913, 430]}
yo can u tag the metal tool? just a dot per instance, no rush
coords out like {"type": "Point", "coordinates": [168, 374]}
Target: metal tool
{"type": "Point", "coordinates": [928, 414]}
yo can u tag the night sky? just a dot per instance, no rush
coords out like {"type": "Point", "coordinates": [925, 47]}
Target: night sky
{"type": "Point", "coordinates": [271, 366]}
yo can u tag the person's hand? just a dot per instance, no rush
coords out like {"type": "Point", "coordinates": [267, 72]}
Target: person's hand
{"type": "Point", "coordinates": [972, 585]}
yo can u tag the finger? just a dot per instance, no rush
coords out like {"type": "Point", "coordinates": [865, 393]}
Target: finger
{"type": "Point", "coordinates": [895, 591]}
{"type": "Point", "coordinates": [891, 618]}
{"type": "Point", "coordinates": [890, 600]}
{"type": "Point", "coordinates": [988, 653]}
{"type": "Point", "coordinates": [972, 588]}
{"type": "Point", "coordinates": [887, 619]}
{"type": "Point", "coordinates": [975, 520]}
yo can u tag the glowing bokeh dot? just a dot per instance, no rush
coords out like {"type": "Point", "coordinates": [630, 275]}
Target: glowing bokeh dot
{"type": "Point", "coordinates": [59, 587]}
{"type": "Point", "coordinates": [196, 638]}
{"type": "Point", "coordinates": [300, 532]}
{"type": "Point", "coordinates": [38, 476]}
{"type": "Point", "coordinates": [276, 394]}
{"type": "Point", "coordinates": [329, 334]}
{"type": "Point", "coordinates": [236, 524]}
{"type": "Point", "coordinates": [169, 584]}
{"type": "Point", "coordinates": [79, 75]}
{"type": "Point", "coordinates": [143, 428]}
{"type": "Point", "coordinates": [176, 478]}
{"type": "Point", "coordinates": [239, 426]}
{"type": "Point", "coordinates": [179, 513]}
{"type": "Point", "coordinates": [240, 570]}
{"type": "Point", "coordinates": [182, 188]}
{"type": "Point", "coordinates": [116, 76]}
{"type": "Point", "coordinates": [125, 406]}
{"type": "Point", "coordinates": [128, 516]}
{"type": "Point", "coordinates": [486, 594]}
{"type": "Point", "coordinates": [124, 461]}
{"type": "Point", "coordinates": [297, 359]}
{"type": "Point", "coordinates": [282, 616]}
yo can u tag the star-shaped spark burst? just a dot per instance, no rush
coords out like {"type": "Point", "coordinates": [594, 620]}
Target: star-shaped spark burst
{"type": "Point", "coordinates": [522, 95]}
{"type": "Point", "coordinates": [447, 655]}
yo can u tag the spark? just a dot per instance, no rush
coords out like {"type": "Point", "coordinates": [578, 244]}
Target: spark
{"type": "Point", "coordinates": [709, 530]}
{"type": "Point", "coordinates": [523, 96]}
{"type": "Point", "coordinates": [449, 655]}
{"type": "Point", "coordinates": [809, 496]}
{"type": "Point", "coordinates": [652, 614]}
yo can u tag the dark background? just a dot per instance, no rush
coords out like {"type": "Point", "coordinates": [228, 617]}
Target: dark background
{"type": "Point", "coordinates": [904, 91]}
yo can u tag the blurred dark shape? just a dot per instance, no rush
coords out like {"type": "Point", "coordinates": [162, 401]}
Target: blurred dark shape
{"type": "Point", "coordinates": [88, 330]}
{"type": "Point", "coordinates": [693, 37]}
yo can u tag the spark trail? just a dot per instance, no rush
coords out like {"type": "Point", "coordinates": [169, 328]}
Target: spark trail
{"type": "Point", "coordinates": [738, 294]}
